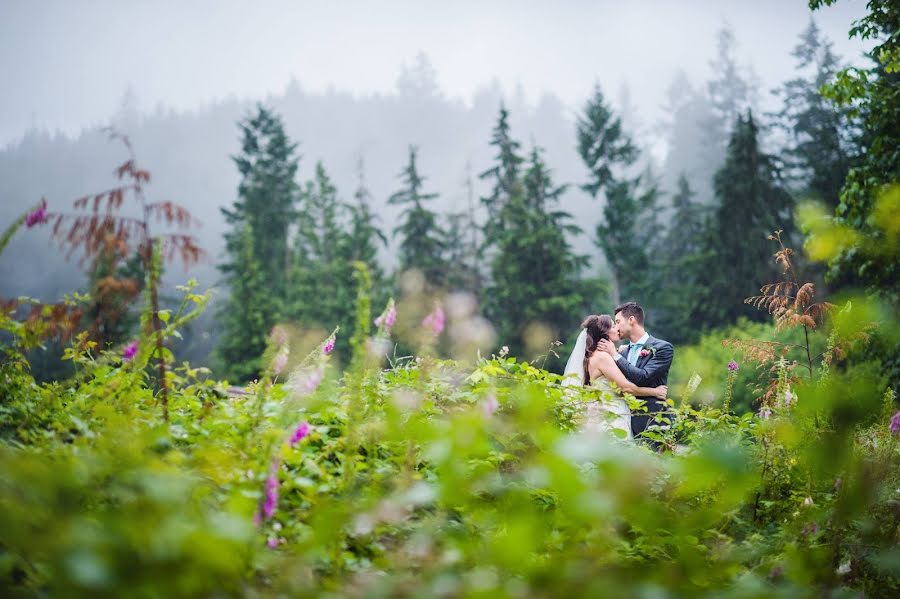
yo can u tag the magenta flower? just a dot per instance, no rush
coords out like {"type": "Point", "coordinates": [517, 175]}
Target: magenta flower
{"type": "Point", "coordinates": [732, 366]}
{"type": "Point", "coordinates": [130, 350]}
{"type": "Point", "coordinates": [38, 216]}
{"type": "Point", "coordinates": [388, 317]}
{"type": "Point", "coordinates": [490, 405]}
{"type": "Point", "coordinates": [313, 381]}
{"type": "Point", "coordinates": [435, 320]}
{"type": "Point", "coordinates": [895, 423]}
{"type": "Point", "coordinates": [272, 542]}
{"type": "Point", "coordinates": [271, 501]}
{"type": "Point", "coordinates": [299, 434]}
{"type": "Point", "coordinates": [279, 363]}
{"type": "Point", "coordinates": [765, 413]}
{"type": "Point", "coordinates": [278, 336]}
{"type": "Point", "coordinates": [328, 347]}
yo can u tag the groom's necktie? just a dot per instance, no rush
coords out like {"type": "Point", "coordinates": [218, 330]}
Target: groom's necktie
{"type": "Point", "coordinates": [634, 350]}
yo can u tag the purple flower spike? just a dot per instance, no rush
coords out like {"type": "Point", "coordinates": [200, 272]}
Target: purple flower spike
{"type": "Point", "coordinates": [732, 366]}
{"type": "Point", "coordinates": [895, 423]}
{"type": "Point", "coordinates": [38, 216]}
{"type": "Point", "coordinates": [299, 434]}
{"type": "Point", "coordinates": [271, 501]}
{"type": "Point", "coordinates": [436, 320]}
{"type": "Point", "coordinates": [328, 347]}
{"type": "Point", "coordinates": [490, 405]}
{"type": "Point", "coordinates": [130, 351]}
{"type": "Point", "coordinates": [279, 363]}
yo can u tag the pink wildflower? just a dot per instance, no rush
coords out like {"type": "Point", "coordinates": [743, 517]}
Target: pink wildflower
{"type": "Point", "coordinates": [895, 423]}
{"type": "Point", "coordinates": [38, 216]}
{"type": "Point", "coordinates": [301, 432]}
{"type": "Point", "coordinates": [313, 381]}
{"type": "Point", "coordinates": [435, 320]}
{"type": "Point", "coordinates": [278, 336]}
{"type": "Point", "coordinates": [732, 366]}
{"type": "Point", "coordinates": [279, 363]}
{"type": "Point", "coordinates": [271, 501]}
{"type": "Point", "coordinates": [130, 351]}
{"type": "Point", "coordinates": [328, 347]}
{"type": "Point", "coordinates": [272, 542]}
{"type": "Point", "coordinates": [490, 405]}
{"type": "Point", "coordinates": [388, 317]}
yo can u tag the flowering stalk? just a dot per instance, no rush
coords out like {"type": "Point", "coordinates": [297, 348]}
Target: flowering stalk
{"type": "Point", "coordinates": [729, 386]}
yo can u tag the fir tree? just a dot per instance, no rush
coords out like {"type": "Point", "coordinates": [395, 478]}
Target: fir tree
{"type": "Point", "coordinates": [421, 238]}
{"type": "Point", "coordinates": [602, 144]}
{"type": "Point", "coordinates": [819, 149]}
{"type": "Point", "coordinates": [365, 236]}
{"type": "Point", "coordinates": [751, 206]}
{"type": "Point", "coordinates": [681, 254]}
{"type": "Point", "coordinates": [534, 272]}
{"type": "Point", "coordinates": [504, 175]}
{"type": "Point", "coordinates": [322, 290]}
{"type": "Point", "coordinates": [267, 194]}
{"type": "Point", "coordinates": [247, 315]}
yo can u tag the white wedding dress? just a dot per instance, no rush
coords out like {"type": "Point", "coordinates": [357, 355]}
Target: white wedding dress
{"type": "Point", "coordinates": [608, 413]}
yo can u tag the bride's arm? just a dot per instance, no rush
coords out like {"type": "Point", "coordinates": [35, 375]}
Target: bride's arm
{"type": "Point", "coordinates": [607, 365]}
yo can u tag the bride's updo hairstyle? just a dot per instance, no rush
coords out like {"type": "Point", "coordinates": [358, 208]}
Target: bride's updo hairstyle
{"type": "Point", "coordinates": [597, 328]}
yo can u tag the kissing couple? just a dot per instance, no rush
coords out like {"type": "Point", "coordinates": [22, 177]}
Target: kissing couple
{"type": "Point", "coordinates": [640, 367]}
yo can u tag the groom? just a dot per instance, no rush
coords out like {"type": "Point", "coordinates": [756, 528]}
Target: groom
{"type": "Point", "coordinates": [643, 359]}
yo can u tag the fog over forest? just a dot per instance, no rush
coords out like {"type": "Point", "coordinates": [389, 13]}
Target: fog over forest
{"type": "Point", "coordinates": [356, 100]}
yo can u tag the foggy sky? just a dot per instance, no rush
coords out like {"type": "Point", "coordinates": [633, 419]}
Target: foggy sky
{"type": "Point", "coordinates": [65, 65]}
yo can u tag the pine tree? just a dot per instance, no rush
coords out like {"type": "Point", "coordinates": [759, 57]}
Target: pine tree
{"type": "Point", "coordinates": [322, 290]}
{"type": "Point", "coordinates": [682, 253]}
{"type": "Point", "coordinates": [627, 228]}
{"type": "Point", "coordinates": [248, 313]}
{"type": "Point", "coordinates": [534, 272]}
{"type": "Point", "coordinates": [819, 151]}
{"type": "Point", "coordinates": [751, 206]}
{"type": "Point", "coordinates": [267, 194]}
{"type": "Point", "coordinates": [422, 243]}
{"type": "Point", "coordinates": [627, 236]}
{"type": "Point", "coordinates": [257, 267]}
{"type": "Point", "coordinates": [365, 236]}
{"type": "Point", "coordinates": [602, 144]}
{"type": "Point", "coordinates": [505, 176]}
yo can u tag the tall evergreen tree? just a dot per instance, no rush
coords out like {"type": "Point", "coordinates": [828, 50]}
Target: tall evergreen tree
{"type": "Point", "coordinates": [421, 238]}
{"type": "Point", "coordinates": [602, 144]}
{"type": "Point", "coordinates": [504, 176]}
{"type": "Point", "coordinates": [247, 315]}
{"type": "Point", "coordinates": [751, 205]}
{"type": "Point", "coordinates": [819, 150]}
{"type": "Point", "coordinates": [365, 237]}
{"type": "Point", "coordinates": [267, 194]}
{"type": "Point", "coordinates": [323, 258]}
{"type": "Point", "coordinates": [682, 253]}
{"type": "Point", "coordinates": [627, 229]}
{"type": "Point", "coordinates": [534, 272]}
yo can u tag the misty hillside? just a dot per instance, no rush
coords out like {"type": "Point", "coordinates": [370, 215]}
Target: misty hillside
{"type": "Point", "coordinates": [188, 155]}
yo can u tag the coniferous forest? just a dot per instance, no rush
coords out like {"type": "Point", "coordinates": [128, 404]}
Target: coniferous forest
{"type": "Point", "coordinates": [343, 376]}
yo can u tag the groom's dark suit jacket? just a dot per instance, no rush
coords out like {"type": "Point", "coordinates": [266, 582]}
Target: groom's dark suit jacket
{"type": "Point", "coordinates": [651, 371]}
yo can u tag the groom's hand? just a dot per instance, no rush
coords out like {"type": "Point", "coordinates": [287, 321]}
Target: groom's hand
{"type": "Point", "coordinates": [607, 346]}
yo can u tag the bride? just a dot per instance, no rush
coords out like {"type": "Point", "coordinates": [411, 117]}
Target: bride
{"type": "Point", "coordinates": [597, 369]}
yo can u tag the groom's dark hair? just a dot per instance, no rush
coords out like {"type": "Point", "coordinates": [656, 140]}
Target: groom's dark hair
{"type": "Point", "coordinates": [632, 309]}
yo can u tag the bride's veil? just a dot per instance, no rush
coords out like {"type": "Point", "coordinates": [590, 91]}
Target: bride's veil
{"type": "Point", "coordinates": [575, 365]}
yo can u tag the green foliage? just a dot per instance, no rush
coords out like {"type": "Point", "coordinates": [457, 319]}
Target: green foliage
{"type": "Point", "coordinates": [872, 95]}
